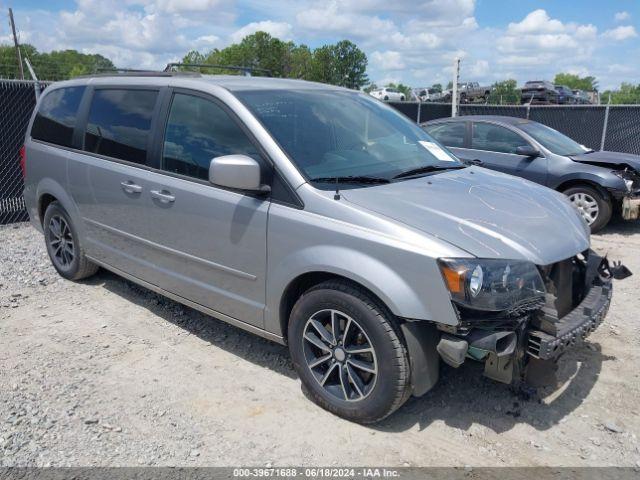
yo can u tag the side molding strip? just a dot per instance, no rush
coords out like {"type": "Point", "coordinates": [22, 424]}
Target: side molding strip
{"type": "Point", "coordinates": [173, 251]}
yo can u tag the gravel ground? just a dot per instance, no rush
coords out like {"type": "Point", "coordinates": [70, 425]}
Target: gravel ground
{"type": "Point", "coordinates": [104, 372]}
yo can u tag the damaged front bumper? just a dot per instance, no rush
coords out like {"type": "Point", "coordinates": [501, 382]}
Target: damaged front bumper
{"type": "Point", "coordinates": [573, 327]}
{"type": "Point", "coordinates": [507, 346]}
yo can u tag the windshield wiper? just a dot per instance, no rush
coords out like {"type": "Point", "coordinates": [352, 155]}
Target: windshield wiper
{"type": "Point", "coordinates": [350, 179]}
{"type": "Point", "coordinates": [427, 169]}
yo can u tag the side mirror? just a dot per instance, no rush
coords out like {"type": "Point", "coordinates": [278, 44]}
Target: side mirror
{"type": "Point", "coordinates": [527, 151]}
{"type": "Point", "coordinates": [239, 172]}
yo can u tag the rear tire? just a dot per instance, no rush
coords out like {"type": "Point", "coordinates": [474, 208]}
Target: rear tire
{"type": "Point", "coordinates": [362, 387]}
{"type": "Point", "coordinates": [63, 245]}
{"type": "Point", "coordinates": [594, 205]}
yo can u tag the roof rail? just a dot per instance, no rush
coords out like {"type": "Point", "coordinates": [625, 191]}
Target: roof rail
{"type": "Point", "coordinates": [247, 71]}
{"type": "Point", "coordinates": [132, 72]}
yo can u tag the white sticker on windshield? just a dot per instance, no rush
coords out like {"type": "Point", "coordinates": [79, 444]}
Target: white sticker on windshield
{"type": "Point", "coordinates": [437, 151]}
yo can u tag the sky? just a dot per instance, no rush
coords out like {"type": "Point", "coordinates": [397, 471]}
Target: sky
{"type": "Point", "coordinates": [413, 42]}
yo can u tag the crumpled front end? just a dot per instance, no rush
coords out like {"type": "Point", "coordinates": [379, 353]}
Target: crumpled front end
{"type": "Point", "coordinates": [513, 343]}
{"type": "Point", "coordinates": [630, 197]}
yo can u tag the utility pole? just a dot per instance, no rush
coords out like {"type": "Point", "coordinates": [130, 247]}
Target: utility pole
{"type": "Point", "coordinates": [36, 83]}
{"type": "Point", "coordinates": [15, 42]}
{"type": "Point", "coordinates": [454, 90]}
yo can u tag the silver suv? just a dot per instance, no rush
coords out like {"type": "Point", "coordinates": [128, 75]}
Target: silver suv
{"type": "Point", "coordinates": [317, 217]}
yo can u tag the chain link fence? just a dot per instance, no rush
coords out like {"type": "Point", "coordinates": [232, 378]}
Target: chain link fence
{"type": "Point", "coordinates": [599, 127]}
{"type": "Point", "coordinates": [615, 127]}
{"type": "Point", "coordinates": [17, 100]}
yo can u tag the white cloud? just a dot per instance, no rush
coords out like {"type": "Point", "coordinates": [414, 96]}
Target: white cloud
{"type": "Point", "coordinates": [541, 40]}
{"type": "Point", "coordinates": [536, 22]}
{"type": "Point", "coordinates": [621, 33]}
{"type": "Point", "coordinates": [408, 41]}
{"type": "Point", "coordinates": [621, 16]}
{"type": "Point", "coordinates": [181, 6]}
{"type": "Point", "coordinates": [331, 18]}
{"type": "Point", "coordinates": [479, 69]}
{"type": "Point", "coordinates": [206, 41]}
{"type": "Point", "coordinates": [389, 60]}
{"type": "Point", "coordinates": [282, 30]}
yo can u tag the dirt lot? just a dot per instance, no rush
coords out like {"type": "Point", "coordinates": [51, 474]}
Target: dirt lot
{"type": "Point", "coordinates": [106, 373]}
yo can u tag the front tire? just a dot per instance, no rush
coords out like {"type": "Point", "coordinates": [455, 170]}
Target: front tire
{"type": "Point", "coordinates": [594, 206]}
{"type": "Point", "coordinates": [63, 245]}
{"type": "Point", "coordinates": [348, 352]}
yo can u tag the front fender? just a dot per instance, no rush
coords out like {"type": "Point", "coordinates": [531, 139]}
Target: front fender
{"type": "Point", "coordinates": [407, 296]}
{"type": "Point", "coordinates": [600, 177]}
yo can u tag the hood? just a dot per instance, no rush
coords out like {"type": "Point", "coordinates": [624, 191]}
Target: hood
{"type": "Point", "coordinates": [486, 213]}
{"type": "Point", "coordinates": [613, 159]}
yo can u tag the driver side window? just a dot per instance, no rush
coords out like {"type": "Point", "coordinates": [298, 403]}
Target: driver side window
{"type": "Point", "coordinates": [199, 130]}
{"type": "Point", "coordinates": [494, 138]}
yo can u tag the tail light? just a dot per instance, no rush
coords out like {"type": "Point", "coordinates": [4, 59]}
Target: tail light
{"type": "Point", "coordinates": [23, 161]}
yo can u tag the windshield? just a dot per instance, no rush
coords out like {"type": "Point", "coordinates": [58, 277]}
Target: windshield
{"type": "Point", "coordinates": [553, 140]}
{"type": "Point", "coordinates": [344, 134]}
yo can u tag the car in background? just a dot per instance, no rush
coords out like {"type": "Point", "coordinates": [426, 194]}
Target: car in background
{"type": "Point", "coordinates": [427, 95]}
{"type": "Point", "coordinates": [472, 91]}
{"type": "Point", "coordinates": [388, 94]}
{"type": "Point", "coordinates": [582, 97]}
{"type": "Point", "coordinates": [539, 91]}
{"type": "Point", "coordinates": [565, 95]}
{"type": "Point", "coordinates": [595, 182]}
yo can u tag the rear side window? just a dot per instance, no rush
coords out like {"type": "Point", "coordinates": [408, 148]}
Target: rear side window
{"type": "Point", "coordinates": [495, 138]}
{"type": "Point", "coordinates": [119, 123]}
{"type": "Point", "coordinates": [449, 134]}
{"type": "Point", "coordinates": [199, 130]}
{"type": "Point", "coordinates": [56, 117]}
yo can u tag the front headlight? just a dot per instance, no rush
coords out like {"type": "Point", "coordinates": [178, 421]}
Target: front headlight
{"type": "Point", "coordinates": [490, 284]}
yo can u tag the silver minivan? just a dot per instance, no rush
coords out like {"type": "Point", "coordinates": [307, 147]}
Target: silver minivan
{"type": "Point", "coordinates": [317, 217]}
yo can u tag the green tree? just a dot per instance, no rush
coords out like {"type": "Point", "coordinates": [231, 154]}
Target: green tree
{"type": "Point", "coordinates": [504, 92]}
{"type": "Point", "coordinates": [9, 62]}
{"type": "Point", "coordinates": [628, 94]}
{"type": "Point", "coordinates": [322, 66]}
{"type": "Point", "coordinates": [437, 87]}
{"type": "Point", "coordinates": [55, 65]}
{"type": "Point", "coordinates": [589, 84]}
{"type": "Point", "coordinates": [350, 65]}
{"type": "Point", "coordinates": [298, 61]}
{"type": "Point", "coordinates": [340, 64]}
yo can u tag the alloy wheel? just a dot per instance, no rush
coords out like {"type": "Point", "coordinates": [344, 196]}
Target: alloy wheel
{"type": "Point", "coordinates": [61, 242]}
{"type": "Point", "coordinates": [586, 205]}
{"type": "Point", "coordinates": [340, 355]}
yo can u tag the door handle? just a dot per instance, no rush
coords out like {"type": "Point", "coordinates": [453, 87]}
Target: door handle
{"type": "Point", "coordinates": [163, 195]}
{"type": "Point", "coordinates": [130, 187]}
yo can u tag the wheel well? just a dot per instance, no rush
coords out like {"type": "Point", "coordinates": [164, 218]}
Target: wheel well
{"type": "Point", "coordinates": [44, 201]}
{"type": "Point", "coordinates": [576, 183]}
{"type": "Point", "coordinates": [303, 283]}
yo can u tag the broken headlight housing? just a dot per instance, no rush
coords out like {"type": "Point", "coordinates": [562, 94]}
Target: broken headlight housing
{"type": "Point", "coordinates": [630, 178]}
{"type": "Point", "coordinates": [491, 285]}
